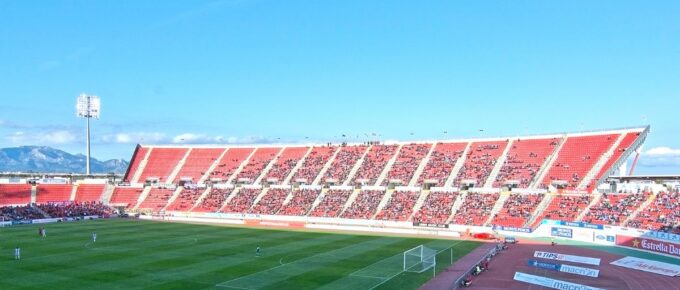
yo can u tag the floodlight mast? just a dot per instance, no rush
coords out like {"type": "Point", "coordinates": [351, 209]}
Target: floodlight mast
{"type": "Point", "coordinates": [88, 107]}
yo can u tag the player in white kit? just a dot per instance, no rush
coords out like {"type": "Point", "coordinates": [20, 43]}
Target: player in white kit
{"type": "Point", "coordinates": [17, 253]}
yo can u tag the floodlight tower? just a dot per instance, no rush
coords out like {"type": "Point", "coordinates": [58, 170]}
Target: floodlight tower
{"type": "Point", "coordinates": [88, 107]}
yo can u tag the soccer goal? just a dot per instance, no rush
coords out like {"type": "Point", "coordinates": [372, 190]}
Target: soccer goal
{"type": "Point", "coordinates": [419, 259]}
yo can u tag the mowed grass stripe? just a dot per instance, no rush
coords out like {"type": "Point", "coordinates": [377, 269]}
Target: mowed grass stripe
{"type": "Point", "coordinates": [133, 254]}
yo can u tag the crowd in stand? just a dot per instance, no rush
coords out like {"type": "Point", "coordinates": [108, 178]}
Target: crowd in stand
{"type": "Point", "coordinates": [524, 160]}
{"type": "Point", "coordinates": [214, 200]}
{"type": "Point", "coordinates": [332, 203]}
{"type": "Point", "coordinates": [440, 165]}
{"type": "Point", "coordinates": [186, 199]}
{"type": "Point", "coordinates": [479, 164]}
{"type": "Point", "coordinates": [313, 164]}
{"type": "Point", "coordinates": [157, 199]}
{"type": "Point", "coordinates": [54, 210]}
{"type": "Point", "coordinates": [19, 213]}
{"type": "Point", "coordinates": [436, 209]}
{"type": "Point", "coordinates": [242, 201]}
{"type": "Point", "coordinates": [343, 163]}
{"type": "Point", "coordinates": [613, 209]}
{"type": "Point", "coordinates": [281, 169]}
{"type": "Point", "coordinates": [663, 214]}
{"type": "Point", "coordinates": [271, 202]}
{"type": "Point", "coordinates": [407, 162]}
{"type": "Point", "coordinates": [374, 163]}
{"type": "Point", "coordinates": [564, 207]}
{"type": "Point", "coordinates": [517, 210]}
{"type": "Point", "coordinates": [301, 202]}
{"type": "Point", "coordinates": [365, 205]}
{"type": "Point", "coordinates": [255, 166]}
{"type": "Point", "coordinates": [399, 207]}
{"type": "Point", "coordinates": [475, 209]}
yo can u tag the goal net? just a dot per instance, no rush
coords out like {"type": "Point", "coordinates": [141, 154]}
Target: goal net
{"type": "Point", "coordinates": [419, 259]}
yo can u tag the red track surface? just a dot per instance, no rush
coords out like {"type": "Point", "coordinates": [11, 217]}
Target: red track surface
{"type": "Point", "coordinates": [503, 267]}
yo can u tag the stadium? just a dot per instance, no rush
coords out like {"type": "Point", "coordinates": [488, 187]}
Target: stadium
{"type": "Point", "coordinates": [339, 145]}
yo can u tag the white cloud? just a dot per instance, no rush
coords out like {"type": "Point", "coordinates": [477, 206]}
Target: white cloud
{"type": "Point", "coordinates": [58, 137]}
{"type": "Point", "coordinates": [137, 137]}
{"type": "Point", "coordinates": [660, 157]}
{"type": "Point", "coordinates": [662, 151]}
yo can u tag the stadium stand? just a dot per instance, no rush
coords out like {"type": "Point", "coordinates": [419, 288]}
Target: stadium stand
{"type": "Point", "coordinates": [407, 162]}
{"type": "Point", "coordinates": [214, 200]}
{"type": "Point", "coordinates": [161, 163]}
{"type": "Point", "coordinates": [242, 201]}
{"type": "Point", "coordinates": [613, 209]}
{"type": "Point", "coordinates": [343, 163]}
{"type": "Point", "coordinates": [365, 205]}
{"type": "Point", "coordinates": [623, 146]}
{"type": "Point", "coordinates": [89, 192]}
{"type": "Point", "coordinates": [524, 159]}
{"type": "Point", "coordinates": [476, 209]}
{"type": "Point", "coordinates": [230, 162]}
{"type": "Point", "coordinates": [285, 163]}
{"type": "Point", "coordinates": [53, 193]}
{"type": "Point", "coordinates": [301, 202]}
{"type": "Point", "coordinates": [186, 199]}
{"type": "Point", "coordinates": [19, 213]}
{"type": "Point", "coordinates": [517, 210]}
{"type": "Point", "coordinates": [437, 208]}
{"type": "Point", "coordinates": [15, 194]}
{"type": "Point", "coordinates": [399, 207]}
{"type": "Point", "coordinates": [663, 214]}
{"type": "Point", "coordinates": [480, 161]}
{"type": "Point", "coordinates": [125, 196]}
{"type": "Point", "coordinates": [76, 209]}
{"type": "Point", "coordinates": [137, 157]}
{"type": "Point", "coordinates": [197, 163]}
{"type": "Point", "coordinates": [564, 207]}
{"type": "Point", "coordinates": [441, 163]}
{"type": "Point", "coordinates": [374, 163]}
{"type": "Point", "coordinates": [332, 203]}
{"type": "Point", "coordinates": [157, 199]}
{"type": "Point", "coordinates": [260, 160]}
{"type": "Point", "coordinates": [313, 164]}
{"type": "Point", "coordinates": [271, 202]}
{"type": "Point", "coordinates": [577, 156]}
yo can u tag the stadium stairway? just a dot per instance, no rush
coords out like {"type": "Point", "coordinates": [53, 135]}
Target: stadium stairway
{"type": "Point", "coordinates": [547, 198]}
{"type": "Point", "coordinates": [497, 207]}
{"type": "Point", "coordinates": [74, 189]}
{"type": "Point", "coordinates": [240, 167]}
{"type": "Point", "coordinates": [174, 196]}
{"type": "Point", "coordinates": [287, 199]}
{"type": "Point", "coordinates": [540, 175]}
{"type": "Point", "coordinates": [386, 198]}
{"type": "Point", "coordinates": [108, 192]}
{"type": "Point", "coordinates": [42, 212]}
{"type": "Point", "coordinates": [456, 205]}
{"type": "Point", "coordinates": [212, 167]}
{"type": "Point", "coordinates": [142, 197]}
{"type": "Point", "coordinates": [141, 166]}
{"type": "Point", "coordinates": [421, 167]}
{"type": "Point", "coordinates": [596, 200]}
{"type": "Point", "coordinates": [178, 167]}
{"type": "Point", "coordinates": [419, 202]}
{"type": "Point", "coordinates": [326, 166]}
{"type": "Point", "coordinates": [456, 168]}
{"type": "Point", "coordinates": [34, 194]}
{"type": "Point", "coordinates": [234, 192]}
{"type": "Point", "coordinates": [200, 199]}
{"type": "Point", "coordinates": [600, 163]}
{"type": "Point", "coordinates": [269, 167]}
{"type": "Point", "coordinates": [637, 211]}
{"type": "Point", "coordinates": [356, 167]}
{"type": "Point", "coordinates": [258, 198]}
{"type": "Point", "coordinates": [318, 200]}
{"type": "Point", "coordinates": [388, 166]}
{"type": "Point", "coordinates": [350, 200]}
{"type": "Point", "coordinates": [499, 165]}
{"type": "Point", "coordinates": [297, 166]}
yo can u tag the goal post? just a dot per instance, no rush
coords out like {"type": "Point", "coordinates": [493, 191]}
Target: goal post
{"type": "Point", "coordinates": [419, 259]}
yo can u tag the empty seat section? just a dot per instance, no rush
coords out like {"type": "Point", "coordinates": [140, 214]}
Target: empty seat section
{"type": "Point", "coordinates": [89, 192]}
{"type": "Point", "coordinates": [479, 162]}
{"type": "Point", "coordinates": [441, 162]}
{"type": "Point", "coordinates": [301, 202]}
{"type": "Point", "coordinates": [564, 207]}
{"type": "Point", "coordinates": [15, 194]}
{"type": "Point", "coordinates": [374, 164]}
{"type": "Point", "coordinates": [663, 214]}
{"type": "Point", "coordinates": [134, 165]}
{"type": "Point", "coordinates": [157, 199]}
{"type": "Point", "coordinates": [186, 199]}
{"type": "Point", "coordinates": [517, 210]}
{"type": "Point", "coordinates": [214, 200]}
{"type": "Point", "coordinates": [53, 193]}
{"type": "Point", "coordinates": [613, 209]}
{"type": "Point", "coordinates": [161, 163]}
{"type": "Point", "coordinates": [260, 160]}
{"type": "Point", "coordinates": [197, 163]}
{"type": "Point", "coordinates": [407, 162]}
{"type": "Point", "coordinates": [365, 205]}
{"type": "Point", "coordinates": [577, 156]}
{"type": "Point", "coordinates": [436, 209]}
{"type": "Point", "coordinates": [476, 209]}
{"type": "Point", "coordinates": [399, 207]}
{"type": "Point", "coordinates": [524, 159]}
{"type": "Point", "coordinates": [285, 163]}
{"type": "Point", "coordinates": [230, 162]}
{"type": "Point", "coordinates": [271, 202]}
{"type": "Point", "coordinates": [125, 196]}
{"type": "Point", "coordinates": [343, 163]}
{"type": "Point", "coordinates": [242, 201]}
{"type": "Point", "coordinates": [625, 144]}
{"type": "Point", "coordinates": [313, 164]}
{"type": "Point", "coordinates": [332, 203]}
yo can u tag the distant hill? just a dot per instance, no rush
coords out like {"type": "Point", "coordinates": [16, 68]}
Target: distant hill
{"type": "Point", "coordinates": [50, 160]}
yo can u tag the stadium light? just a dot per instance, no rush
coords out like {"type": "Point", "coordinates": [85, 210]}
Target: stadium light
{"type": "Point", "coordinates": [88, 107]}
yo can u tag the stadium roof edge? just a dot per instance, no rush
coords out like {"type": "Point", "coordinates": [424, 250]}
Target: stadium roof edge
{"type": "Point", "coordinates": [390, 142]}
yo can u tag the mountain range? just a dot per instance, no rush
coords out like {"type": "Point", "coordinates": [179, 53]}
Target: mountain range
{"type": "Point", "coordinates": [44, 159]}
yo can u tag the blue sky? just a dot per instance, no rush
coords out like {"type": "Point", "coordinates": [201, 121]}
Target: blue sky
{"type": "Point", "coordinates": [291, 71]}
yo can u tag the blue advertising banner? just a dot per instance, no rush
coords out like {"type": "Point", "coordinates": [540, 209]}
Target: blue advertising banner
{"type": "Point", "coordinates": [512, 229]}
{"type": "Point", "coordinates": [544, 265]}
{"type": "Point", "coordinates": [561, 232]}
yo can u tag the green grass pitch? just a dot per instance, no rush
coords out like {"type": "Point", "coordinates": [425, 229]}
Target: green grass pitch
{"type": "Point", "coordinates": [133, 254]}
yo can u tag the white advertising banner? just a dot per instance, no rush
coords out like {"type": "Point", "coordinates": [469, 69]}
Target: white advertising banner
{"type": "Point", "coordinates": [551, 283]}
{"type": "Point", "coordinates": [568, 258]}
{"type": "Point", "coordinates": [656, 267]}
